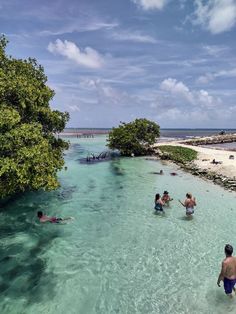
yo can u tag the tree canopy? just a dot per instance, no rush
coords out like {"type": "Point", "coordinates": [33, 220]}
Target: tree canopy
{"type": "Point", "coordinates": [134, 137]}
{"type": "Point", "coordinates": [30, 154]}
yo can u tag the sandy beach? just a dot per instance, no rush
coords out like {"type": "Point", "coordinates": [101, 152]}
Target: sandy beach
{"type": "Point", "coordinates": [227, 167]}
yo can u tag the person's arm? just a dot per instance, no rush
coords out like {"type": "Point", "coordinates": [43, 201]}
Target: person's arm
{"type": "Point", "coordinates": [162, 202]}
{"type": "Point", "coordinates": [194, 199]}
{"type": "Point", "coordinates": [222, 274]}
{"type": "Point", "coordinates": [181, 203]}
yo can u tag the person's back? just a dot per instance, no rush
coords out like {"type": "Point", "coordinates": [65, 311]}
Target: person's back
{"type": "Point", "coordinates": [190, 202]}
{"type": "Point", "coordinates": [158, 203]}
{"type": "Point", "coordinates": [228, 271]}
{"type": "Point", "coordinates": [230, 267]}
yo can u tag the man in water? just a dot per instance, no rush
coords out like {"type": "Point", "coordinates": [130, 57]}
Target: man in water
{"type": "Point", "coordinates": [228, 271]}
{"type": "Point", "coordinates": [45, 218]}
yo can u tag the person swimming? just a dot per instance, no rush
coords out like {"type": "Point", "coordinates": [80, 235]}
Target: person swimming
{"type": "Point", "coordinates": [189, 204]}
{"type": "Point", "coordinates": [45, 218]}
{"type": "Point", "coordinates": [158, 203]}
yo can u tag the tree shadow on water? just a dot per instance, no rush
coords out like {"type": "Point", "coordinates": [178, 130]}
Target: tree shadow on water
{"type": "Point", "coordinates": [24, 271]}
{"type": "Point", "coordinates": [25, 275]}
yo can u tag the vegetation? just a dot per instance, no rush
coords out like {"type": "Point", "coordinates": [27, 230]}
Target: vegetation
{"type": "Point", "coordinates": [30, 155]}
{"type": "Point", "coordinates": [179, 153]}
{"type": "Point", "coordinates": [134, 138]}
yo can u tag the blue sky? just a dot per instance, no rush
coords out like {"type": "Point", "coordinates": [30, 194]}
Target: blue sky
{"type": "Point", "coordinates": [170, 61]}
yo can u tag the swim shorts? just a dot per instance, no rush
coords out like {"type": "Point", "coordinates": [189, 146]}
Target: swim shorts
{"type": "Point", "coordinates": [55, 220]}
{"type": "Point", "coordinates": [229, 285]}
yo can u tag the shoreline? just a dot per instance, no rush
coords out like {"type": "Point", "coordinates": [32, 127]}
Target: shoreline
{"type": "Point", "coordinates": [222, 173]}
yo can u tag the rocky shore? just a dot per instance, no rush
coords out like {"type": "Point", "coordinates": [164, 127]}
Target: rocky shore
{"type": "Point", "coordinates": [223, 172]}
{"type": "Point", "coordinates": [215, 139]}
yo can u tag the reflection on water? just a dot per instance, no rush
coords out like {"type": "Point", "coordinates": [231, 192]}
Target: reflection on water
{"type": "Point", "coordinates": [116, 256]}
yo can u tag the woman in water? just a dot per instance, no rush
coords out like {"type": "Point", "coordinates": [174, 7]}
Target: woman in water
{"type": "Point", "coordinates": [158, 203]}
{"type": "Point", "coordinates": [189, 204]}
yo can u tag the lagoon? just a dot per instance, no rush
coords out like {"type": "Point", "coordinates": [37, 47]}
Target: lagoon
{"type": "Point", "coordinates": [116, 256]}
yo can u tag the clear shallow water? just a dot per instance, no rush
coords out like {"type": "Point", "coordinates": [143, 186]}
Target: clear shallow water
{"type": "Point", "coordinates": [116, 256]}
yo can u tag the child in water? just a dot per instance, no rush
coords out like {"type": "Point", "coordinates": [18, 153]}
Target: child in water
{"type": "Point", "coordinates": [166, 198]}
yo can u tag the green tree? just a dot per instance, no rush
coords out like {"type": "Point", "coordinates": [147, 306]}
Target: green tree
{"type": "Point", "coordinates": [134, 137]}
{"type": "Point", "coordinates": [30, 154]}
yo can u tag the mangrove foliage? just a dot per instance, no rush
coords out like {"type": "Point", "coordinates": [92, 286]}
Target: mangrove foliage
{"type": "Point", "coordinates": [134, 138]}
{"type": "Point", "coordinates": [30, 154]}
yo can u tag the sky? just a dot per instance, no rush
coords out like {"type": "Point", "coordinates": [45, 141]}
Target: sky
{"type": "Point", "coordinates": [170, 61]}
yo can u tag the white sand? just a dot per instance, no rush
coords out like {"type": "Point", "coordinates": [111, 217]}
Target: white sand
{"type": "Point", "coordinates": [206, 155]}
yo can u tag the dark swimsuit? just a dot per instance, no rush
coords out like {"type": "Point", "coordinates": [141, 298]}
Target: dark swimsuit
{"type": "Point", "coordinates": [229, 285]}
{"type": "Point", "coordinates": [55, 220]}
{"type": "Point", "coordinates": [158, 207]}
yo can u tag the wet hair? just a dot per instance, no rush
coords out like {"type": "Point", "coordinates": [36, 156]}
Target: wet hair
{"type": "Point", "coordinates": [166, 192]}
{"type": "Point", "coordinates": [40, 214]}
{"type": "Point", "coordinates": [189, 195]}
{"type": "Point", "coordinates": [158, 196]}
{"type": "Point", "coordinates": [228, 249]}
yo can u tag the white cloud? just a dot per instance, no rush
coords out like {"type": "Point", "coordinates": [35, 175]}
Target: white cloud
{"type": "Point", "coordinates": [151, 4]}
{"type": "Point", "coordinates": [108, 95]}
{"type": "Point", "coordinates": [208, 77]}
{"type": "Point", "coordinates": [133, 36]}
{"type": "Point", "coordinates": [193, 97]}
{"type": "Point", "coordinates": [89, 58]}
{"type": "Point", "coordinates": [176, 88]}
{"type": "Point", "coordinates": [214, 50]}
{"type": "Point", "coordinates": [79, 27]}
{"type": "Point", "coordinates": [74, 108]}
{"type": "Point", "coordinates": [216, 15]}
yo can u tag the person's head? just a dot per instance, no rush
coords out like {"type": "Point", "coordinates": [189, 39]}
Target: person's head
{"type": "Point", "coordinates": [166, 193]}
{"type": "Point", "coordinates": [189, 195]}
{"type": "Point", "coordinates": [228, 250]}
{"type": "Point", "coordinates": [40, 214]}
{"type": "Point", "coordinates": [161, 171]}
{"type": "Point", "coordinates": [158, 196]}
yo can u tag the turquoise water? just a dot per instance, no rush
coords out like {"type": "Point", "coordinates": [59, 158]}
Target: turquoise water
{"type": "Point", "coordinates": [116, 256]}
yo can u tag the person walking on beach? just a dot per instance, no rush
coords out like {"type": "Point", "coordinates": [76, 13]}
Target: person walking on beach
{"type": "Point", "coordinates": [228, 271]}
{"type": "Point", "coordinates": [189, 204]}
{"type": "Point", "coordinates": [158, 203]}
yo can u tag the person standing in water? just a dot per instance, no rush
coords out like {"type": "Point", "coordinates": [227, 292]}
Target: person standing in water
{"type": "Point", "coordinates": [158, 203]}
{"type": "Point", "coordinates": [228, 271]}
{"type": "Point", "coordinates": [166, 198]}
{"type": "Point", "coordinates": [189, 204]}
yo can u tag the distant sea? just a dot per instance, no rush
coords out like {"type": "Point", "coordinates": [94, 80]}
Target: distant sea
{"type": "Point", "coordinates": [165, 133]}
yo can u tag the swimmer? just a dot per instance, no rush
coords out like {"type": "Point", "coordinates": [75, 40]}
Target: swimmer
{"type": "Point", "coordinates": [45, 218]}
{"type": "Point", "coordinates": [228, 271]}
{"type": "Point", "coordinates": [159, 203]}
{"type": "Point", "coordinates": [189, 204]}
{"type": "Point", "coordinates": [173, 174]}
{"type": "Point", "coordinates": [166, 198]}
{"type": "Point", "coordinates": [160, 172]}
